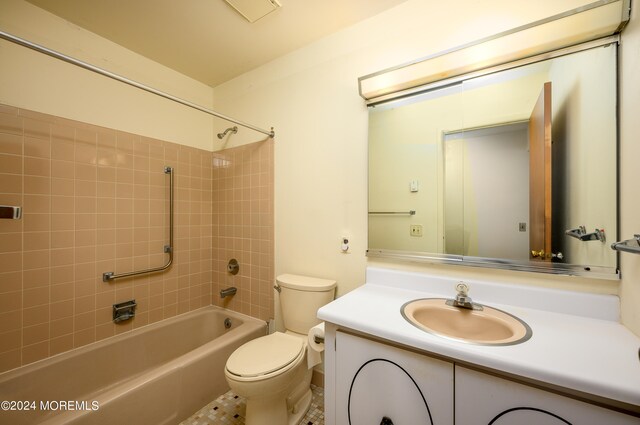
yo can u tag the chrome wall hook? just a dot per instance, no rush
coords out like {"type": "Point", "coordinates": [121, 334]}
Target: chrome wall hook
{"type": "Point", "coordinates": [580, 233]}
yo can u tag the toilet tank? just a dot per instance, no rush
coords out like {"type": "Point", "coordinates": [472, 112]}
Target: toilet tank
{"type": "Point", "coordinates": [300, 299]}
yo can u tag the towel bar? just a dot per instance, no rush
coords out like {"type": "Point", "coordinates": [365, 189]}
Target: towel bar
{"type": "Point", "coordinates": [410, 212]}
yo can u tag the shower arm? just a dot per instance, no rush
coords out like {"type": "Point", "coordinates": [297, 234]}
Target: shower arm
{"type": "Point", "coordinates": [168, 249]}
{"type": "Point", "coordinates": [232, 130]}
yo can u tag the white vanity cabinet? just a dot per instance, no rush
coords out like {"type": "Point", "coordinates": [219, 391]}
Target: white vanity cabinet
{"type": "Point", "coordinates": [483, 399]}
{"type": "Point", "coordinates": [381, 384]}
{"type": "Point", "coordinates": [376, 383]}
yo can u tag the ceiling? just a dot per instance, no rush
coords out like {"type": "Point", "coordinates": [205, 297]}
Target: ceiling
{"type": "Point", "coordinates": [207, 39]}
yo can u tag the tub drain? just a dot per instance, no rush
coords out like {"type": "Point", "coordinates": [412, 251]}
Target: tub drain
{"type": "Point", "coordinates": [227, 323]}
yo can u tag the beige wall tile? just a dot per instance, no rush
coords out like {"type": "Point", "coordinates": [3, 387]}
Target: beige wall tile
{"type": "Point", "coordinates": [11, 143]}
{"type": "Point", "coordinates": [10, 359]}
{"type": "Point", "coordinates": [10, 164]}
{"type": "Point", "coordinates": [35, 352]}
{"type": "Point", "coordinates": [10, 242]}
{"type": "Point", "coordinates": [35, 315]}
{"type": "Point", "coordinates": [60, 344]}
{"type": "Point", "coordinates": [35, 297]}
{"type": "Point", "coordinates": [10, 183]}
{"type": "Point", "coordinates": [95, 201]}
{"type": "Point", "coordinates": [10, 124]}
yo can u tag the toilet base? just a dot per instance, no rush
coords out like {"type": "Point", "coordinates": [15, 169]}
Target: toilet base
{"type": "Point", "coordinates": [286, 407]}
{"type": "Point", "coordinates": [275, 412]}
{"type": "Point", "coordinates": [300, 409]}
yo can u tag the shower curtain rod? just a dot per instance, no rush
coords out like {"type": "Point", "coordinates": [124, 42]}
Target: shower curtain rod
{"type": "Point", "coordinates": [109, 74]}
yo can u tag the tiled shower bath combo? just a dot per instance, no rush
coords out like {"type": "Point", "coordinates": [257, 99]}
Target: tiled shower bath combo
{"type": "Point", "coordinates": [95, 200]}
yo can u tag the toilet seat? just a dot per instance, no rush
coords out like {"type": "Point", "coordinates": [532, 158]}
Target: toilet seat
{"type": "Point", "coordinates": [265, 357]}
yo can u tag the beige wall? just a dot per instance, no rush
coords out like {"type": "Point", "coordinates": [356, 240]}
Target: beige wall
{"type": "Point", "coordinates": [629, 154]}
{"type": "Point", "coordinates": [310, 96]}
{"type": "Point", "coordinates": [37, 82]}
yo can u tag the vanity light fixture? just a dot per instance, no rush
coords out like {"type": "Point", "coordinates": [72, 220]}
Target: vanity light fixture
{"type": "Point", "coordinates": [587, 23]}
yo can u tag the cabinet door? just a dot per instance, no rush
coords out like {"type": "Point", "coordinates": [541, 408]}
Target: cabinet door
{"type": "Point", "coordinates": [380, 384]}
{"type": "Point", "coordinates": [483, 399]}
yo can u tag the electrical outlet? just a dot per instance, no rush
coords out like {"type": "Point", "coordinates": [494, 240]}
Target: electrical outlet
{"type": "Point", "coordinates": [415, 230]}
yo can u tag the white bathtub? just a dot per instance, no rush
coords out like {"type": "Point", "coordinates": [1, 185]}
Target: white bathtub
{"type": "Point", "coordinates": [158, 374]}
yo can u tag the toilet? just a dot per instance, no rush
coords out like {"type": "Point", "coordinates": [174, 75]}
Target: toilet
{"type": "Point", "coordinates": [271, 372]}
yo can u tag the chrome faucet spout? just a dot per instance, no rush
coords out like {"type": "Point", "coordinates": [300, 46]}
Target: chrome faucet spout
{"type": "Point", "coordinates": [462, 299]}
{"type": "Point", "coordinates": [228, 291]}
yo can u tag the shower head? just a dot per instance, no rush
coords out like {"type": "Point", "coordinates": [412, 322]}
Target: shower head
{"type": "Point", "coordinates": [233, 130]}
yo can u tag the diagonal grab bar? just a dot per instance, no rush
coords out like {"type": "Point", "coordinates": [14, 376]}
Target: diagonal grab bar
{"type": "Point", "coordinates": [168, 249]}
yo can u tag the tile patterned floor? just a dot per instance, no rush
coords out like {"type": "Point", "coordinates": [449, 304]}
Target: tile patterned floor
{"type": "Point", "coordinates": [229, 408]}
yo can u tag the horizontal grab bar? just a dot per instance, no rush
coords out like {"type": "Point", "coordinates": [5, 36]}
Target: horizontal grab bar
{"type": "Point", "coordinates": [629, 245]}
{"type": "Point", "coordinates": [168, 249]}
{"type": "Point", "coordinates": [410, 212]}
{"type": "Point", "coordinates": [10, 212]}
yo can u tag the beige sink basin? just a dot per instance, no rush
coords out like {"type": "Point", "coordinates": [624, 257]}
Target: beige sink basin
{"type": "Point", "coordinates": [489, 326]}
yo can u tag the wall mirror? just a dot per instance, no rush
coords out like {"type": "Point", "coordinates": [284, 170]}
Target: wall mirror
{"type": "Point", "coordinates": [513, 169]}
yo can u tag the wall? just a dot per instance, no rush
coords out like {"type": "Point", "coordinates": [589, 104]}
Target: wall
{"type": "Point", "coordinates": [71, 147]}
{"type": "Point", "coordinates": [629, 152]}
{"type": "Point", "coordinates": [40, 83]}
{"type": "Point", "coordinates": [243, 227]}
{"type": "Point", "coordinates": [94, 200]}
{"type": "Point", "coordinates": [310, 96]}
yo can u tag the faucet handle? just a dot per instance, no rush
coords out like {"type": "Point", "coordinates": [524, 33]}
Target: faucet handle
{"type": "Point", "coordinates": [462, 288]}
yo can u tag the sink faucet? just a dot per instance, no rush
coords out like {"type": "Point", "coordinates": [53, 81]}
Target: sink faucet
{"type": "Point", "coordinates": [462, 299]}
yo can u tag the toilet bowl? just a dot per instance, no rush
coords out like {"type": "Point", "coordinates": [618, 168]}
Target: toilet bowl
{"type": "Point", "coordinates": [271, 372]}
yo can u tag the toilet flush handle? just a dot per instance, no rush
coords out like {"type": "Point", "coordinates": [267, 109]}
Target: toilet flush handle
{"type": "Point", "coordinates": [277, 288]}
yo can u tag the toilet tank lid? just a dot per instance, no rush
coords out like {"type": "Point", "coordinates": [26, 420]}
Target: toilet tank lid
{"type": "Point", "coordinates": [305, 283]}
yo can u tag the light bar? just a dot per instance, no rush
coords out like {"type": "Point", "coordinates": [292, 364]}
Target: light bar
{"type": "Point", "coordinates": [590, 22]}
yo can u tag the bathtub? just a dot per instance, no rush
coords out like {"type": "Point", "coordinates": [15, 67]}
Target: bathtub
{"type": "Point", "coordinates": [158, 374]}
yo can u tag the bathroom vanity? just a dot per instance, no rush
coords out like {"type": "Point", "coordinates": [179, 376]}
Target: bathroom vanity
{"type": "Point", "coordinates": [578, 366]}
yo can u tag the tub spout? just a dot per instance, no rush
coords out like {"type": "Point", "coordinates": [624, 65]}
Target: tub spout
{"type": "Point", "coordinates": [228, 291]}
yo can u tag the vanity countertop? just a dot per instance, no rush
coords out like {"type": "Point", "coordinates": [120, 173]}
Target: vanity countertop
{"type": "Point", "coordinates": [577, 342]}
